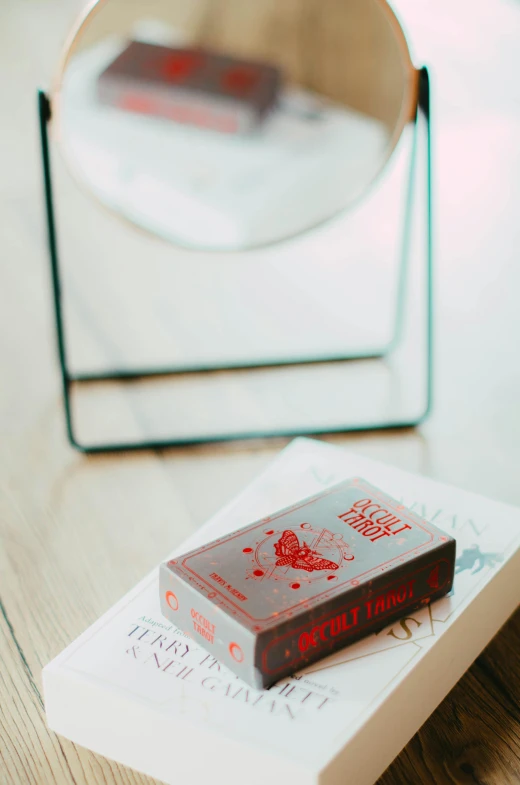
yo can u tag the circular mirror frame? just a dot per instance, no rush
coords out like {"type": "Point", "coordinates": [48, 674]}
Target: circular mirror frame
{"type": "Point", "coordinates": [407, 114]}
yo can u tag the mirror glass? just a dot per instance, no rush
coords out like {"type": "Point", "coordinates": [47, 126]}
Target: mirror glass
{"type": "Point", "coordinates": [227, 125]}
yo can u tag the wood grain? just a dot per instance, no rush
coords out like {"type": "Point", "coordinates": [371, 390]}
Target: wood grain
{"type": "Point", "coordinates": [76, 533]}
{"type": "Point", "coordinates": [473, 738]}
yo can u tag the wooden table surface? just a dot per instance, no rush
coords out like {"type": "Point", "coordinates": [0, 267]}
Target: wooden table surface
{"type": "Point", "coordinates": [76, 533]}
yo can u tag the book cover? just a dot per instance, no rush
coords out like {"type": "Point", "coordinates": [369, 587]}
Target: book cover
{"type": "Point", "coordinates": [135, 689]}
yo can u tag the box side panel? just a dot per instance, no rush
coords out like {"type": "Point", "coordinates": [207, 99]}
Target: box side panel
{"type": "Point", "coordinates": [360, 612]}
{"type": "Point", "coordinates": [208, 624]}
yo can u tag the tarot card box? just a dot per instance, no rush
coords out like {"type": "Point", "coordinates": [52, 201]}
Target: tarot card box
{"type": "Point", "coordinates": [281, 593]}
{"type": "Point", "coordinates": [190, 86]}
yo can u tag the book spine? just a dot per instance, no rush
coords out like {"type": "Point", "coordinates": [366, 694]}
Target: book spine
{"type": "Point", "coordinates": [365, 610]}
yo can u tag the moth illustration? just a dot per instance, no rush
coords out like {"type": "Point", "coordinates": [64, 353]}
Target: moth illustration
{"type": "Point", "coordinates": [301, 557]}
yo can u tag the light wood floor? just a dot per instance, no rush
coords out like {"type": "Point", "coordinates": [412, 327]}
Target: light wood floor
{"type": "Point", "coordinates": [76, 533]}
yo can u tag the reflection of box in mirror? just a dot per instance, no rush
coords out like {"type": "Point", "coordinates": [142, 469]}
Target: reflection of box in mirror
{"type": "Point", "coordinates": [187, 119]}
{"type": "Point", "coordinates": [210, 189]}
{"type": "Point", "coordinates": [191, 86]}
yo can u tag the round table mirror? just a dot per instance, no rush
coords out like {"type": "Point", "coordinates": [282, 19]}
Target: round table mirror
{"type": "Point", "coordinates": [229, 125]}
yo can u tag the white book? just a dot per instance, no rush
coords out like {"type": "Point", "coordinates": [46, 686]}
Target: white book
{"type": "Point", "coordinates": [135, 689]}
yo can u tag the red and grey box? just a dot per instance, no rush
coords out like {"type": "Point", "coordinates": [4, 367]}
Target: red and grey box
{"type": "Point", "coordinates": [192, 86]}
{"type": "Point", "coordinates": [285, 591]}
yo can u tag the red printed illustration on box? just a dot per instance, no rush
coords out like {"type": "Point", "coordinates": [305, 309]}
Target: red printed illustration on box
{"type": "Point", "coordinates": [298, 555]}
